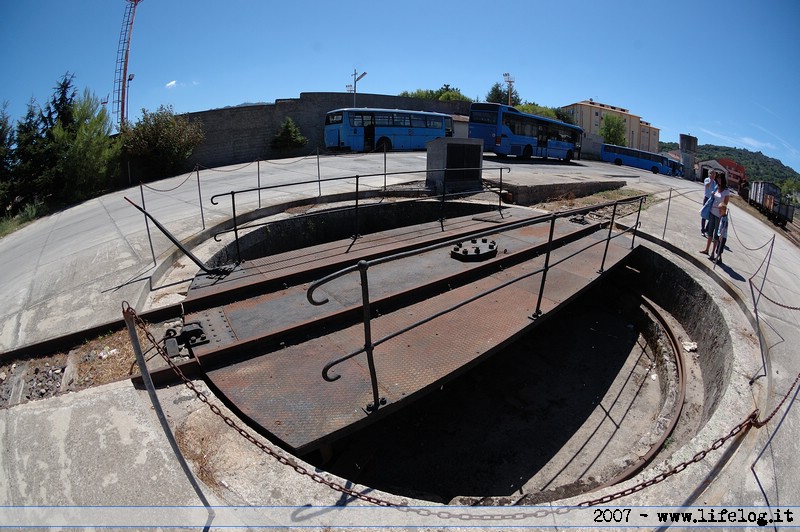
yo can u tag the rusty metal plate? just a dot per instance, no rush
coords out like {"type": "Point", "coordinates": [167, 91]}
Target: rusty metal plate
{"type": "Point", "coordinates": [282, 389]}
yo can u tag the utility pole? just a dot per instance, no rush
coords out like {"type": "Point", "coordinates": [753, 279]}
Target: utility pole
{"type": "Point", "coordinates": [509, 79]}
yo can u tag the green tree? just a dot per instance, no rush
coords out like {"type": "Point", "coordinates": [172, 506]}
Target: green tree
{"type": "Point", "coordinates": [288, 137]}
{"type": "Point", "coordinates": [60, 106]}
{"type": "Point", "coordinates": [613, 130]}
{"type": "Point", "coordinates": [159, 144]}
{"type": "Point", "coordinates": [499, 94]}
{"type": "Point", "coordinates": [535, 109]}
{"type": "Point", "coordinates": [564, 116]}
{"type": "Point", "coordinates": [445, 93]}
{"type": "Point", "coordinates": [420, 94]}
{"type": "Point", "coordinates": [6, 159]}
{"type": "Point", "coordinates": [29, 159]}
{"type": "Point", "coordinates": [89, 156]}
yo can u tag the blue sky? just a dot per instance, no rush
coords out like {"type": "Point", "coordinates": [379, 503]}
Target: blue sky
{"type": "Point", "coordinates": [727, 72]}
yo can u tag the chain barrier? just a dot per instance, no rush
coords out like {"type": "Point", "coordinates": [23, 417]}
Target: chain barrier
{"type": "Point", "coordinates": [751, 421]}
{"type": "Point", "coordinates": [189, 175]}
{"type": "Point", "coordinates": [739, 240]}
{"type": "Point", "coordinates": [312, 154]}
{"type": "Point", "coordinates": [776, 303]}
{"type": "Point", "coordinates": [245, 165]}
{"type": "Point", "coordinates": [243, 432]}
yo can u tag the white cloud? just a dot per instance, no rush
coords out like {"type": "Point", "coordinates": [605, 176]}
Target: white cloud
{"type": "Point", "coordinates": [747, 142]}
{"type": "Point", "coordinates": [171, 84]}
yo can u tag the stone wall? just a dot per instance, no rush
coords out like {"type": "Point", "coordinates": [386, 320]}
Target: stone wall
{"type": "Point", "coordinates": [235, 135]}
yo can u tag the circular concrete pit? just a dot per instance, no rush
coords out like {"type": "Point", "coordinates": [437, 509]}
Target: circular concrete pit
{"type": "Point", "coordinates": [589, 398]}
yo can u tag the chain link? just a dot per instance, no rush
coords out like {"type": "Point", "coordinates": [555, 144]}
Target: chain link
{"type": "Point", "coordinates": [765, 296]}
{"type": "Point", "coordinates": [751, 421]}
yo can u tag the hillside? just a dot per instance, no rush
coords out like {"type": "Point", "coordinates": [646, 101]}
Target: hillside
{"type": "Point", "coordinates": [758, 167]}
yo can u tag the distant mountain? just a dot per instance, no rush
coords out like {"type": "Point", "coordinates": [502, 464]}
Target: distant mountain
{"type": "Point", "coordinates": [758, 167]}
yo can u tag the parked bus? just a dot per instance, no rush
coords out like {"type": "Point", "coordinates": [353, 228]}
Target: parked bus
{"type": "Point", "coordinates": [507, 131]}
{"type": "Point", "coordinates": [658, 164]}
{"type": "Point", "coordinates": [366, 129]}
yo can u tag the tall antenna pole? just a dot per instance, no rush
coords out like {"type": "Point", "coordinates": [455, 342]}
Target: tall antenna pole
{"type": "Point", "coordinates": [508, 78]}
{"type": "Point", "coordinates": [121, 78]}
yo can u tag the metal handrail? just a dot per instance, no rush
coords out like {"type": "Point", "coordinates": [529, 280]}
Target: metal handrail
{"type": "Point", "coordinates": [233, 193]}
{"type": "Point", "coordinates": [363, 265]}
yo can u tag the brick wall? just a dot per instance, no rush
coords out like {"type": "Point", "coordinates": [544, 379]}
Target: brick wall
{"type": "Point", "coordinates": [235, 135]}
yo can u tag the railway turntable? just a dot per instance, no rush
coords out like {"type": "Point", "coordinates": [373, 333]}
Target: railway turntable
{"type": "Point", "coordinates": [313, 344]}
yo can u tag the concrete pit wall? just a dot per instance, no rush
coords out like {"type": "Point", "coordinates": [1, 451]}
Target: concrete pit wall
{"type": "Point", "coordinates": [673, 289]}
{"type": "Point", "coordinates": [282, 235]}
{"type": "Point", "coordinates": [533, 194]}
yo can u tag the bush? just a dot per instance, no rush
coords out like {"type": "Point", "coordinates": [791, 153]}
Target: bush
{"type": "Point", "coordinates": [288, 137]}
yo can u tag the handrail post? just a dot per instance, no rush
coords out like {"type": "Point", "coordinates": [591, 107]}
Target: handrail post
{"type": "Point", "coordinates": [636, 225]}
{"type": "Point", "coordinates": [200, 195]}
{"type": "Point", "coordinates": [377, 401]}
{"type": "Point", "coordinates": [258, 175]}
{"type": "Point", "coordinates": [538, 311]}
{"type": "Point", "coordinates": [608, 238]}
{"type": "Point", "coordinates": [235, 227]}
{"type": "Point", "coordinates": [500, 194]}
{"type": "Point", "coordinates": [357, 221]}
{"type": "Point", "coordinates": [129, 316]}
{"type": "Point", "coordinates": [444, 197]}
{"type": "Point", "coordinates": [319, 175]}
{"type": "Point", "coordinates": [147, 225]}
{"type": "Point", "coordinates": [669, 202]}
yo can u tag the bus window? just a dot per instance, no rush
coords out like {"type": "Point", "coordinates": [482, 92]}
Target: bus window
{"type": "Point", "coordinates": [418, 121]}
{"type": "Point", "coordinates": [361, 119]}
{"type": "Point", "coordinates": [434, 122]}
{"type": "Point", "coordinates": [483, 117]}
{"type": "Point", "coordinates": [333, 119]}
{"type": "Point", "coordinates": [401, 120]}
{"type": "Point", "coordinates": [383, 119]}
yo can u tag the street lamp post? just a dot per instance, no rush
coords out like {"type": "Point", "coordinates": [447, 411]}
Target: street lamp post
{"type": "Point", "coordinates": [356, 77]}
{"type": "Point", "coordinates": [127, 96]}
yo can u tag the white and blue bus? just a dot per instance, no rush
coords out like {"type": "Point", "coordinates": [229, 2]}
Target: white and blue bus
{"type": "Point", "coordinates": [658, 164]}
{"type": "Point", "coordinates": [507, 131]}
{"type": "Point", "coordinates": [367, 129]}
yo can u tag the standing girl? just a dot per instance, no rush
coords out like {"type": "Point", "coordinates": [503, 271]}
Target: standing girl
{"type": "Point", "coordinates": [721, 197]}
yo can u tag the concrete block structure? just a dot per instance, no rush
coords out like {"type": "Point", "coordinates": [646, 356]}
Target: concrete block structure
{"type": "Point", "coordinates": [243, 134]}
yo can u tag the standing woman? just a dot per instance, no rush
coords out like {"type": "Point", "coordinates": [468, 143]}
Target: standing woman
{"type": "Point", "coordinates": [721, 197]}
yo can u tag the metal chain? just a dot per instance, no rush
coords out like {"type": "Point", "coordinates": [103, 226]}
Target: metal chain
{"type": "Point", "coordinates": [751, 421]}
{"type": "Point", "coordinates": [733, 226]}
{"type": "Point", "coordinates": [149, 187]}
{"type": "Point", "coordinates": [765, 296]}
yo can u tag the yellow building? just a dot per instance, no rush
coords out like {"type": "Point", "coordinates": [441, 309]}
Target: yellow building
{"type": "Point", "coordinates": [589, 115]}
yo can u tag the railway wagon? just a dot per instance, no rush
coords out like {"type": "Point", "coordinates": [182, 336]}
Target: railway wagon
{"type": "Point", "coordinates": [766, 197]}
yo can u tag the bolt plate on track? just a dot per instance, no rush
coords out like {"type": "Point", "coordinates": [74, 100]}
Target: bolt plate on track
{"type": "Point", "coordinates": [477, 249]}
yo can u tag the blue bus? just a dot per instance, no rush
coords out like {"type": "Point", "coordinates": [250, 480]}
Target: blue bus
{"type": "Point", "coordinates": [507, 131]}
{"type": "Point", "coordinates": [658, 164]}
{"type": "Point", "coordinates": [367, 129]}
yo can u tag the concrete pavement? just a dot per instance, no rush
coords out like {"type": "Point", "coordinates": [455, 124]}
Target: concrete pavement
{"type": "Point", "coordinates": [104, 447]}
